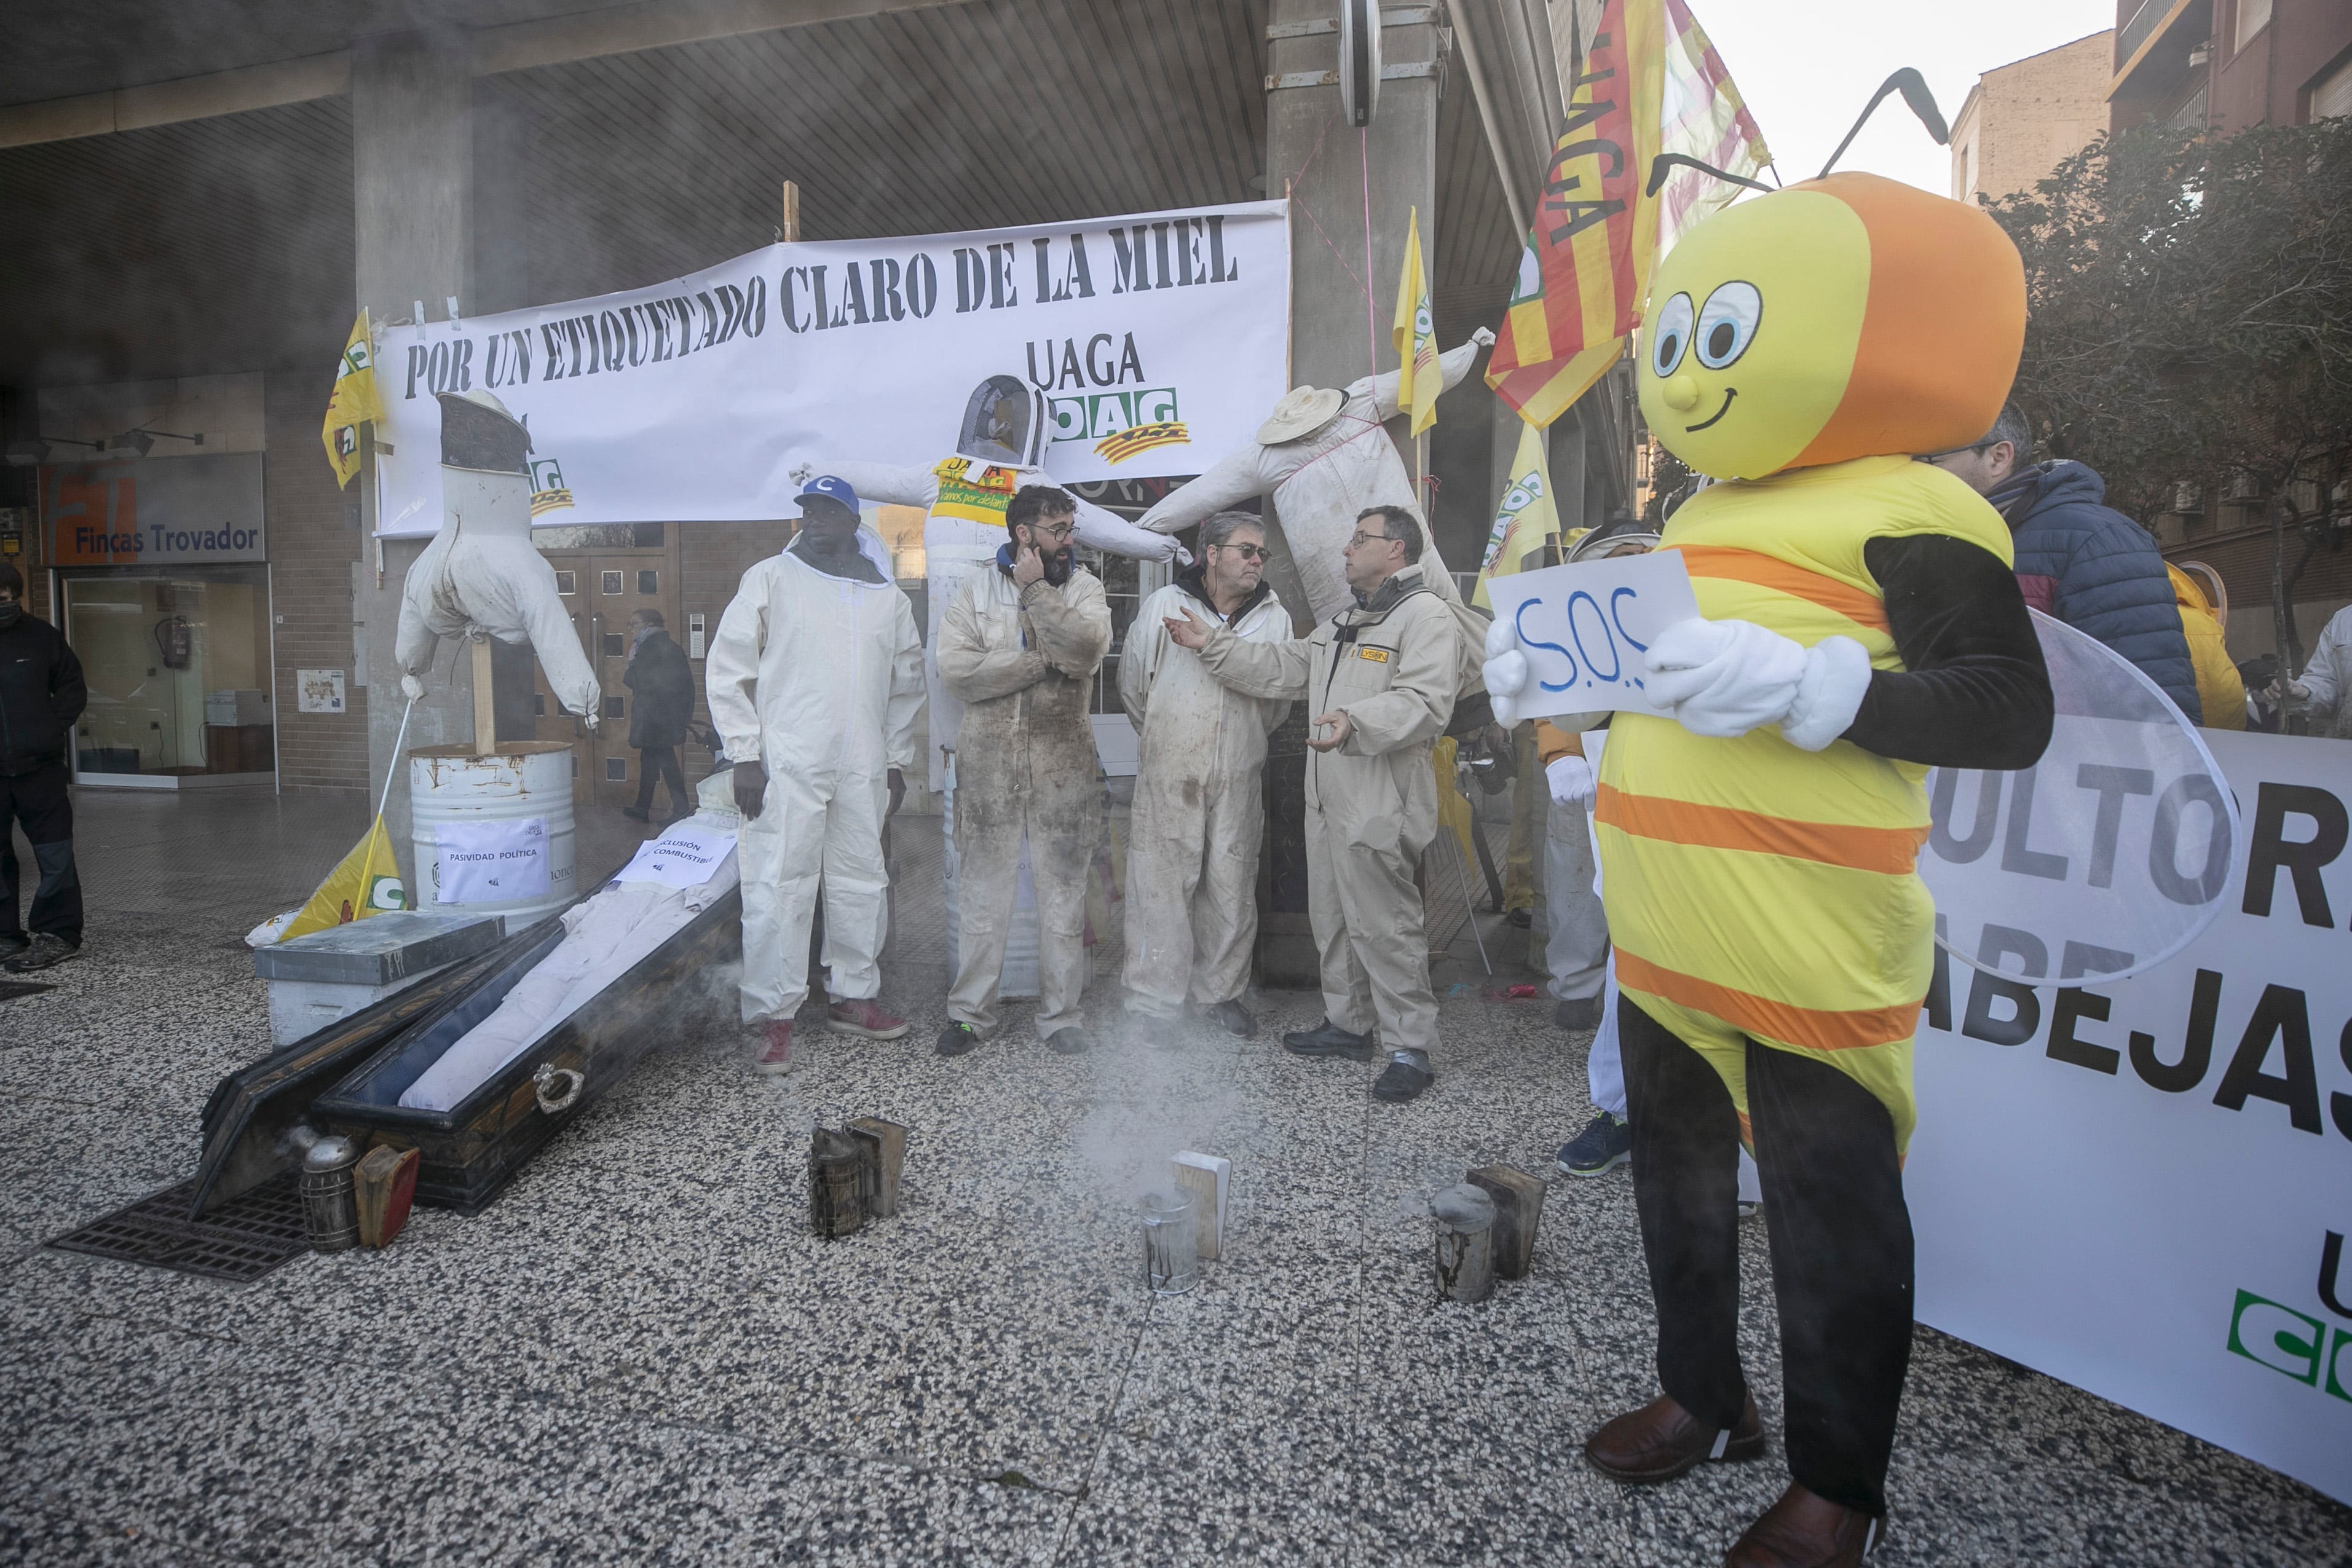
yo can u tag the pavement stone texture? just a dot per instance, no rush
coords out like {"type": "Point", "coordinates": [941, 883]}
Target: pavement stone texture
{"type": "Point", "coordinates": [640, 1354]}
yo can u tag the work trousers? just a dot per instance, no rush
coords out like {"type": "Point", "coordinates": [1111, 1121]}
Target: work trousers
{"type": "Point", "coordinates": [813, 828]}
{"type": "Point", "coordinates": [661, 760]}
{"type": "Point", "coordinates": [1062, 828]}
{"type": "Point", "coordinates": [1840, 1239]}
{"type": "Point", "coordinates": [1576, 940]}
{"type": "Point", "coordinates": [1192, 890]}
{"type": "Point", "coordinates": [40, 802]}
{"type": "Point", "coordinates": [1368, 920]}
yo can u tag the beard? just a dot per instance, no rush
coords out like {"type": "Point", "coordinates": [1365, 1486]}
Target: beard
{"type": "Point", "coordinates": [1058, 564]}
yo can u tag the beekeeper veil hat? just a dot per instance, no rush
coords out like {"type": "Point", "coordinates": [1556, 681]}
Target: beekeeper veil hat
{"type": "Point", "coordinates": [1004, 422]}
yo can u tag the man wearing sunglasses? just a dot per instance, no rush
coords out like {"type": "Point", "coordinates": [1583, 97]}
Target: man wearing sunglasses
{"type": "Point", "coordinates": [1379, 678]}
{"type": "Point", "coordinates": [1200, 790]}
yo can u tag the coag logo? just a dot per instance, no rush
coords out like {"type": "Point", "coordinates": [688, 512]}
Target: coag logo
{"type": "Point", "coordinates": [386, 893]}
{"type": "Point", "coordinates": [1121, 423]}
{"type": "Point", "coordinates": [2304, 1348]}
{"type": "Point", "coordinates": [547, 490]}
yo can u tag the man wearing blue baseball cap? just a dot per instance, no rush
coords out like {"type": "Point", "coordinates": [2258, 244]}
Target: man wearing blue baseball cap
{"type": "Point", "coordinates": [815, 681]}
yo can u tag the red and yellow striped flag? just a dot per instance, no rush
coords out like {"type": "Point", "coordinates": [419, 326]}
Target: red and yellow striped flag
{"type": "Point", "coordinates": [1581, 277]}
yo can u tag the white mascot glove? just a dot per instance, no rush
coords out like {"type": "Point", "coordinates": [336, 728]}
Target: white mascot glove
{"type": "Point", "coordinates": [412, 687]}
{"type": "Point", "coordinates": [1504, 671]}
{"type": "Point", "coordinates": [1183, 557]}
{"type": "Point", "coordinates": [1571, 780]}
{"type": "Point", "coordinates": [1484, 337]}
{"type": "Point", "coordinates": [1725, 679]}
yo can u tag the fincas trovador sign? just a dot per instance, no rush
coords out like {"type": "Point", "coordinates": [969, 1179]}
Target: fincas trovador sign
{"type": "Point", "coordinates": [1158, 341]}
{"type": "Point", "coordinates": [2144, 1188]}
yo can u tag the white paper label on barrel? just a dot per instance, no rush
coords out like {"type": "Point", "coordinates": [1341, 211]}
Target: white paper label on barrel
{"type": "Point", "coordinates": [684, 856]}
{"type": "Point", "coordinates": [492, 862]}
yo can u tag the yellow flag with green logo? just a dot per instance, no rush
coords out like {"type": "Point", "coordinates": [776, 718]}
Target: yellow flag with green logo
{"type": "Point", "coordinates": [1419, 380]}
{"type": "Point", "coordinates": [355, 401]}
{"type": "Point", "coordinates": [366, 882]}
{"type": "Point", "coordinates": [1524, 516]}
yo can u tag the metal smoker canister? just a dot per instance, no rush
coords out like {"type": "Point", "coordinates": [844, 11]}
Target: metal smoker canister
{"type": "Point", "coordinates": [331, 1209]}
{"type": "Point", "coordinates": [1171, 1256]}
{"type": "Point", "coordinates": [1465, 1234]}
{"type": "Point", "coordinates": [836, 1205]}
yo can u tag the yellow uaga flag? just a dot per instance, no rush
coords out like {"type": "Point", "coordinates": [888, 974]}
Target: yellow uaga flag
{"type": "Point", "coordinates": [1417, 378]}
{"type": "Point", "coordinates": [354, 403]}
{"type": "Point", "coordinates": [366, 882]}
{"type": "Point", "coordinates": [1525, 517]}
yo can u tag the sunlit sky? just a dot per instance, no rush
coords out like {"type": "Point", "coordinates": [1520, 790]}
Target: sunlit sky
{"type": "Point", "coordinates": [1806, 67]}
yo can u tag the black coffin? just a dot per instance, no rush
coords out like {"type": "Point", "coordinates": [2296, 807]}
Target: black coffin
{"type": "Point", "coordinates": [473, 1149]}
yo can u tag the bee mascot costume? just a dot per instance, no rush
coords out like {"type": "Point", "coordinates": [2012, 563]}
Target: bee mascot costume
{"type": "Point", "coordinates": [1861, 625]}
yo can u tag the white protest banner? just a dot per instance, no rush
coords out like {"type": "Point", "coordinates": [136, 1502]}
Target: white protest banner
{"type": "Point", "coordinates": [684, 856]}
{"type": "Point", "coordinates": [1584, 628]}
{"type": "Point", "coordinates": [2143, 1188]}
{"type": "Point", "coordinates": [2103, 858]}
{"type": "Point", "coordinates": [490, 863]}
{"type": "Point", "coordinates": [1159, 341]}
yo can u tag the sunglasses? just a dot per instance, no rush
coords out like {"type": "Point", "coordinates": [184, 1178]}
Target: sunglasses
{"type": "Point", "coordinates": [1248, 552]}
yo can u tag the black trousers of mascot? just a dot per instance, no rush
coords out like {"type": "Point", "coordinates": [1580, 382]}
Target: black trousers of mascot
{"type": "Point", "coordinates": [1841, 1241]}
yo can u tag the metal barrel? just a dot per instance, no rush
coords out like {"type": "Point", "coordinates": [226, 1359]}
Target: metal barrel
{"type": "Point", "coordinates": [527, 780]}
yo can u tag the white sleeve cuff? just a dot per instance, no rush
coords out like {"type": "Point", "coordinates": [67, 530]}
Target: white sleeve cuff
{"type": "Point", "coordinates": [1828, 694]}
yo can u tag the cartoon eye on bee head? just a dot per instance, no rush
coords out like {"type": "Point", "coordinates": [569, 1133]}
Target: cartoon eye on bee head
{"type": "Point", "coordinates": [1848, 316]}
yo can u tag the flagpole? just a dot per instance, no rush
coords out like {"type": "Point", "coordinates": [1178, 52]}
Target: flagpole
{"type": "Point", "coordinates": [1372, 310]}
{"type": "Point", "coordinates": [385, 798]}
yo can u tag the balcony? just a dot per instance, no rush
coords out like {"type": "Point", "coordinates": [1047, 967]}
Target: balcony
{"type": "Point", "coordinates": [2152, 53]}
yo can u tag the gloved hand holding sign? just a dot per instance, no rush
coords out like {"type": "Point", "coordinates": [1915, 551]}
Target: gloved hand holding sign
{"type": "Point", "coordinates": [1727, 677]}
{"type": "Point", "coordinates": [1571, 781]}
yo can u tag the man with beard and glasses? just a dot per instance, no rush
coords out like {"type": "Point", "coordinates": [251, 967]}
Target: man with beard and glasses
{"type": "Point", "coordinates": [1200, 790]}
{"type": "Point", "coordinates": [1019, 646]}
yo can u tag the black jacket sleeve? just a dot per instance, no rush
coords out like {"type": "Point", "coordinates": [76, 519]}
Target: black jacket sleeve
{"type": "Point", "coordinates": [1974, 692]}
{"type": "Point", "coordinates": [67, 694]}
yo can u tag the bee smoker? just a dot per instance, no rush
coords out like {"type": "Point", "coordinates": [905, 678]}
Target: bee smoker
{"type": "Point", "coordinates": [331, 1211]}
{"type": "Point", "coordinates": [836, 1178]}
{"type": "Point", "coordinates": [1171, 1257]}
{"type": "Point", "coordinates": [1466, 1243]}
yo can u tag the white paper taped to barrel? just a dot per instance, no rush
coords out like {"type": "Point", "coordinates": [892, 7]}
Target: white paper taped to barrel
{"type": "Point", "coordinates": [684, 856]}
{"type": "Point", "coordinates": [1584, 628]}
{"type": "Point", "coordinates": [2105, 858]}
{"type": "Point", "coordinates": [491, 862]}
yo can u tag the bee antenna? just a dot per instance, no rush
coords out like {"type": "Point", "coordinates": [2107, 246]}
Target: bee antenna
{"type": "Point", "coordinates": [1913, 88]}
{"type": "Point", "coordinates": [1664, 165]}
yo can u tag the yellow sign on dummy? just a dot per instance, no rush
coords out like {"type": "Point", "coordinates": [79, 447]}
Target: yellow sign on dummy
{"type": "Point", "coordinates": [355, 401]}
{"type": "Point", "coordinates": [366, 882]}
{"type": "Point", "coordinates": [1419, 379]}
{"type": "Point", "coordinates": [1525, 517]}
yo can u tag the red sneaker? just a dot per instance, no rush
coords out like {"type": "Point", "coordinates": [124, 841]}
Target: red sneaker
{"type": "Point", "coordinates": [778, 1058]}
{"type": "Point", "coordinates": [866, 1018]}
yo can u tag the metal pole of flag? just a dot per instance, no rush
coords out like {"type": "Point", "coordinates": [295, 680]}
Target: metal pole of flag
{"type": "Point", "coordinates": [385, 798]}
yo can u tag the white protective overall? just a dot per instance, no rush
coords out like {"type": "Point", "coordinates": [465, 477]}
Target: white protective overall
{"type": "Point", "coordinates": [1024, 661]}
{"type": "Point", "coordinates": [1200, 805]}
{"type": "Point", "coordinates": [819, 679]}
{"type": "Point", "coordinates": [1321, 482]}
{"type": "Point", "coordinates": [481, 574]}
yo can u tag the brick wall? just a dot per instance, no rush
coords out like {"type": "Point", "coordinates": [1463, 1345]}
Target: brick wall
{"type": "Point", "coordinates": [313, 542]}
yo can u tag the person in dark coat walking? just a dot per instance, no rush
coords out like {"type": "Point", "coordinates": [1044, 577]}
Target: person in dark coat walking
{"type": "Point", "coordinates": [2078, 559]}
{"type": "Point", "coordinates": [660, 711]}
{"type": "Point", "coordinates": [41, 695]}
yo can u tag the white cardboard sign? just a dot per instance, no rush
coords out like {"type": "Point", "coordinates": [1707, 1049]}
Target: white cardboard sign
{"type": "Point", "coordinates": [1584, 628]}
{"type": "Point", "coordinates": [490, 863]}
{"type": "Point", "coordinates": [684, 856]}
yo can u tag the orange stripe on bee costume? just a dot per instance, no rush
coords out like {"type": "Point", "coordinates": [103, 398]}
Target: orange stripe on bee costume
{"type": "Point", "coordinates": [1894, 852]}
{"type": "Point", "coordinates": [1729, 563]}
{"type": "Point", "coordinates": [1814, 1028]}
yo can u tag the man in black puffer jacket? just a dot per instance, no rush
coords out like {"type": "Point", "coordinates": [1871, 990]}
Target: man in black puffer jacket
{"type": "Point", "coordinates": [2078, 559]}
{"type": "Point", "coordinates": [660, 711]}
{"type": "Point", "coordinates": [41, 695]}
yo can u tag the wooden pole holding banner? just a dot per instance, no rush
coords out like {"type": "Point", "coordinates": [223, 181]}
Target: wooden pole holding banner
{"type": "Point", "coordinates": [788, 231]}
{"type": "Point", "coordinates": [485, 722]}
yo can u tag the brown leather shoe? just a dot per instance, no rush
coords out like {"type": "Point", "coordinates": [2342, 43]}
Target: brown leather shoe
{"type": "Point", "coordinates": [1663, 1441]}
{"type": "Point", "coordinates": [1805, 1530]}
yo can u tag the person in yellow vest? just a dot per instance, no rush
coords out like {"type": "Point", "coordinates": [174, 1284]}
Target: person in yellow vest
{"type": "Point", "coordinates": [2220, 690]}
{"type": "Point", "coordinates": [1860, 623]}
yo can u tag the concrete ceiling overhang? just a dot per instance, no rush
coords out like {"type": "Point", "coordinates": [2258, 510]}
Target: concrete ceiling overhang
{"type": "Point", "coordinates": [224, 242]}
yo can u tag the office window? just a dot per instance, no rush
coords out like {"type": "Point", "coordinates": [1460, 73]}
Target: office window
{"type": "Point", "coordinates": [612, 582]}
{"type": "Point", "coordinates": [613, 708]}
{"type": "Point", "coordinates": [649, 582]}
{"type": "Point", "coordinates": [2253, 15]}
{"type": "Point", "coordinates": [567, 582]}
{"type": "Point", "coordinates": [616, 769]}
{"type": "Point", "coordinates": [616, 644]}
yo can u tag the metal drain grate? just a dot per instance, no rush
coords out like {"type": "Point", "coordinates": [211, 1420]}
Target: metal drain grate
{"type": "Point", "coordinates": [240, 1242]}
{"type": "Point", "coordinates": [10, 989]}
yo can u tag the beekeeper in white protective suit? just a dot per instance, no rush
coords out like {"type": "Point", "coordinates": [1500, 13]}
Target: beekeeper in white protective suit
{"type": "Point", "coordinates": [1200, 788]}
{"type": "Point", "coordinates": [815, 680]}
{"type": "Point", "coordinates": [1323, 457]}
{"type": "Point", "coordinates": [481, 575]}
{"type": "Point", "coordinates": [999, 448]}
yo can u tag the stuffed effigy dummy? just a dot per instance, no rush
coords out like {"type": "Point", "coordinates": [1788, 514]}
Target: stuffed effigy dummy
{"type": "Point", "coordinates": [1860, 625]}
{"type": "Point", "coordinates": [999, 448]}
{"type": "Point", "coordinates": [480, 573]}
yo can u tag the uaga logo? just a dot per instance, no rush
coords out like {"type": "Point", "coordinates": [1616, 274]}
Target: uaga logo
{"type": "Point", "coordinates": [547, 491]}
{"type": "Point", "coordinates": [2312, 1353]}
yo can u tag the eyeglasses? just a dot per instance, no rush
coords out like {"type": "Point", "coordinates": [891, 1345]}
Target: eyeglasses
{"type": "Point", "coordinates": [1059, 534]}
{"type": "Point", "coordinates": [1248, 552]}
{"type": "Point", "coordinates": [1957, 451]}
{"type": "Point", "coordinates": [1362, 538]}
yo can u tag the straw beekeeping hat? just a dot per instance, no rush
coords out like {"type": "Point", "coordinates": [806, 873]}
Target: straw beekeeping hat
{"type": "Point", "coordinates": [1302, 411]}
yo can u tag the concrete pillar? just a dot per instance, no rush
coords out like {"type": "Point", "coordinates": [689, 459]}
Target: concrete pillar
{"type": "Point", "coordinates": [413, 179]}
{"type": "Point", "coordinates": [1335, 336]}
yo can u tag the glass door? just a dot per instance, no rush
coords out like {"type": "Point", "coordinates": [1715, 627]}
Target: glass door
{"type": "Point", "coordinates": [178, 669]}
